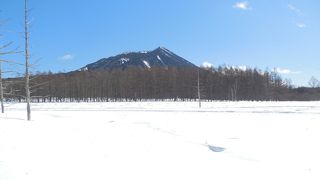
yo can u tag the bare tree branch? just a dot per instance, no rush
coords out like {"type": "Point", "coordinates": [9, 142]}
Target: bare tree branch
{"type": "Point", "coordinates": [6, 45]}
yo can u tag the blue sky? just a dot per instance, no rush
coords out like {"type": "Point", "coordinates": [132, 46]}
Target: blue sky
{"type": "Point", "coordinates": [66, 35]}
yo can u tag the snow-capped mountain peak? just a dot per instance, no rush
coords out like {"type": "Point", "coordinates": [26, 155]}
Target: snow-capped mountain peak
{"type": "Point", "coordinates": [160, 57]}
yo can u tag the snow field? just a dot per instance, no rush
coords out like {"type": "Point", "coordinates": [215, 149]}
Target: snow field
{"type": "Point", "coordinates": [161, 140]}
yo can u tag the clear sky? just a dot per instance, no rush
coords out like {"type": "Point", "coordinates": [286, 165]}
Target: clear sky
{"type": "Point", "coordinates": [68, 34]}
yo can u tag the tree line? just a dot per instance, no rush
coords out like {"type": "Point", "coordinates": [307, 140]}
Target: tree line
{"type": "Point", "coordinates": [135, 84]}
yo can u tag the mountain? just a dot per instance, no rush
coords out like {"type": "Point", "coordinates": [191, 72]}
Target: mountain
{"type": "Point", "coordinates": [160, 58]}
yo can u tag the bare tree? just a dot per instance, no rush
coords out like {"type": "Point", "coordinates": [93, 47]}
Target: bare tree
{"type": "Point", "coordinates": [1, 86]}
{"type": "Point", "coordinates": [1, 72]}
{"type": "Point", "coordinates": [234, 90]}
{"type": "Point", "coordinates": [1, 90]}
{"type": "Point", "coordinates": [314, 82]}
{"type": "Point", "coordinates": [199, 93]}
{"type": "Point", "coordinates": [27, 75]}
{"type": "Point", "coordinates": [1, 81]}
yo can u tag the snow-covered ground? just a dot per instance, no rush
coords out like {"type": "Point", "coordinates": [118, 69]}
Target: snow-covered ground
{"type": "Point", "coordinates": [161, 140]}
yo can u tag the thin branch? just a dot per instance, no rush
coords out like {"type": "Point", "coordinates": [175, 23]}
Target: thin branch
{"type": "Point", "coordinates": [35, 63]}
{"type": "Point", "coordinates": [11, 62]}
{"type": "Point", "coordinates": [10, 52]}
{"type": "Point", "coordinates": [6, 45]}
{"type": "Point", "coordinates": [4, 72]}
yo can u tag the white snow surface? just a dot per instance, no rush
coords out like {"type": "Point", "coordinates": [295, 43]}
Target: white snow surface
{"type": "Point", "coordinates": [147, 64]}
{"type": "Point", "coordinates": [159, 58]}
{"type": "Point", "coordinates": [83, 69]}
{"type": "Point", "coordinates": [124, 60]}
{"type": "Point", "coordinates": [161, 140]}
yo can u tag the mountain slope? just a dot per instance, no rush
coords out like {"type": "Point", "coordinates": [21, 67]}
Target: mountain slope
{"type": "Point", "coordinates": [160, 57]}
